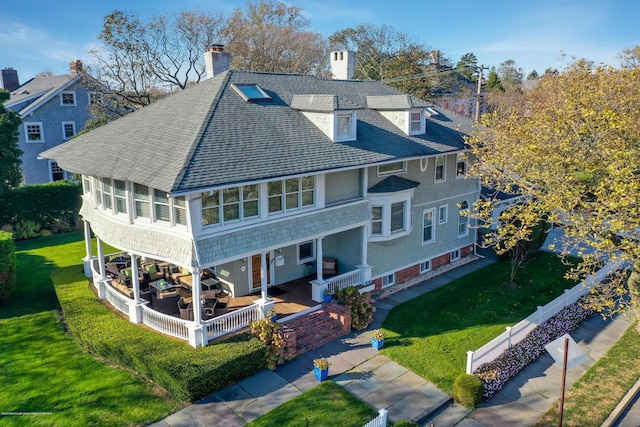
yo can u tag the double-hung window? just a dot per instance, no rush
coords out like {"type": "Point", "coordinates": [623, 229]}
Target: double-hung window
{"type": "Point", "coordinates": [231, 205]}
{"type": "Point", "coordinates": [107, 196]}
{"type": "Point", "coordinates": [440, 169]}
{"type": "Point", "coordinates": [120, 194]}
{"type": "Point", "coordinates": [68, 129]}
{"type": "Point", "coordinates": [443, 213]}
{"type": "Point", "coordinates": [160, 205]}
{"type": "Point", "coordinates": [461, 165]}
{"type": "Point", "coordinates": [141, 200]}
{"type": "Point", "coordinates": [463, 219]}
{"type": "Point", "coordinates": [180, 210]}
{"type": "Point", "coordinates": [390, 215]}
{"type": "Point", "coordinates": [428, 226]}
{"type": "Point", "coordinates": [57, 173]}
{"type": "Point", "coordinates": [33, 131]}
{"type": "Point", "coordinates": [291, 194]}
{"type": "Point", "coordinates": [68, 99]}
{"type": "Point", "coordinates": [416, 122]}
{"type": "Point", "coordinates": [211, 208]}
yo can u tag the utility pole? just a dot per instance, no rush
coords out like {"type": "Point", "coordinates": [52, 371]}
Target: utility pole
{"type": "Point", "coordinates": [478, 95]}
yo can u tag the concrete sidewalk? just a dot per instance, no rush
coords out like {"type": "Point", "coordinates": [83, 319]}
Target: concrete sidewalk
{"type": "Point", "coordinates": [383, 383]}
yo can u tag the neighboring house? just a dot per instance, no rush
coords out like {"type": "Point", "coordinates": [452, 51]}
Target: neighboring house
{"type": "Point", "coordinates": [53, 109]}
{"type": "Point", "coordinates": [267, 178]}
{"type": "Point", "coordinates": [501, 202]}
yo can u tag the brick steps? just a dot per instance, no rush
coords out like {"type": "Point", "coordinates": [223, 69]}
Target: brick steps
{"type": "Point", "coordinates": [315, 329]}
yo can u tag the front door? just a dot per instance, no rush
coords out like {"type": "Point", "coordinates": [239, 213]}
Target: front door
{"type": "Point", "coordinates": [256, 265]}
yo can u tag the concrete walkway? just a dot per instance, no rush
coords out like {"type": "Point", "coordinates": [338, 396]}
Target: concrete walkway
{"type": "Point", "coordinates": [383, 383]}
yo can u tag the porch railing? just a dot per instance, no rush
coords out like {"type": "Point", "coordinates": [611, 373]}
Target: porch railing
{"type": "Point", "coordinates": [351, 278]}
{"type": "Point", "coordinates": [164, 323]}
{"type": "Point", "coordinates": [119, 301]}
{"type": "Point", "coordinates": [233, 321]}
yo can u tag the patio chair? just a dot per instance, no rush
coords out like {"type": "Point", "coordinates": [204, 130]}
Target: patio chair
{"type": "Point", "coordinates": [185, 309]}
{"type": "Point", "coordinates": [329, 267]}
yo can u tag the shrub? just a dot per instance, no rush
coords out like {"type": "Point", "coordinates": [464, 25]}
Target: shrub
{"type": "Point", "coordinates": [188, 373]}
{"type": "Point", "coordinates": [26, 230]}
{"type": "Point", "coordinates": [495, 374]}
{"type": "Point", "coordinates": [468, 390]}
{"type": "Point", "coordinates": [360, 304]}
{"type": "Point", "coordinates": [7, 265]}
{"type": "Point", "coordinates": [269, 333]}
{"type": "Point", "coordinates": [405, 423]}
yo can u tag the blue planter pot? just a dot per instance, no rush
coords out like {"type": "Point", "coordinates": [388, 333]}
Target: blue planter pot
{"type": "Point", "coordinates": [321, 374]}
{"type": "Point", "coordinates": [327, 298]}
{"type": "Point", "coordinates": [377, 344]}
{"type": "Point", "coordinates": [274, 318]}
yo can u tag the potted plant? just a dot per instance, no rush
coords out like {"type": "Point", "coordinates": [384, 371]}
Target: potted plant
{"type": "Point", "coordinates": [327, 295]}
{"type": "Point", "coordinates": [321, 368]}
{"type": "Point", "coordinates": [377, 339]}
{"type": "Point", "coordinates": [271, 313]}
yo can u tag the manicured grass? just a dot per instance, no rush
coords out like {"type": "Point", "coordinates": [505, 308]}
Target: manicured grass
{"type": "Point", "coordinates": [596, 393]}
{"type": "Point", "coordinates": [43, 370]}
{"type": "Point", "coordinates": [327, 404]}
{"type": "Point", "coordinates": [431, 334]}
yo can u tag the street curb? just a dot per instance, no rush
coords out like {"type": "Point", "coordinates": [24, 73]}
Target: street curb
{"type": "Point", "coordinates": [622, 405]}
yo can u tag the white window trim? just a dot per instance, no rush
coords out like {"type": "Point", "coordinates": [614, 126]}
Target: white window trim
{"type": "Point", "coordinates": [428, 264]}
{"type": "Point", "coordinates": [352, 131]}
{"type": "Point", "coordinates": [51, 163]}
{"type": "Point", "coordinates": [460, 216]}
{"type": "Point", "coordinates": [64, 136]}
{"type": "Point", "coordinates": [466, 165]}
{"type": "Point", "coordinates": [433, 226]}
{"type": "Point", "coordinates": [403, 169]}
{"type": "Point", "coordinates": [385, 201]}
{"type": "Point", "coordinates": [26, 132]}
{"type": "Point", "coordinates": [444, 169]}
{"type": "Point", "coordinates": [455, 255]}
{"type": "Point", "coordinates": [308, 259]}
{"type": "Point", "coordinates": [96, 94]}
{"type": "Point", "coordinates": [423, 123]}
{"type": "Point", "coordinates": [446, 214]}
{"type": "Point", "coordinates": [66, 92]}
{"type": "Point", "coordinates": [386, 282]}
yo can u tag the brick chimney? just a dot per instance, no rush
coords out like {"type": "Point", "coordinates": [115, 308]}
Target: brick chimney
{"type": "Point", "coordinates": [75, 67]}
{"type": "Point", "coordinates": [216, 60]}
{"type": "Point", "coordinates": [343, 64]}
{"type": "Point", "coordinates": [9, 79]}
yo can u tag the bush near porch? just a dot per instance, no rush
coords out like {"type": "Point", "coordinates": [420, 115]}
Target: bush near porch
{"type": "Point", "coordinates": [188, 373]}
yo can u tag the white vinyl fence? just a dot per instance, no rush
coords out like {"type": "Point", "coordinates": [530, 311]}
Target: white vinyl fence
{"type": "Point", "coordinates": [516, 333]}
{"type": "Point", "coordinates": [379, 421]}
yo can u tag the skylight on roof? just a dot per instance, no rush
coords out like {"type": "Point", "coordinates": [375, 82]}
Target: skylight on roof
{"type": "Point", "coordinates": [250, 91]}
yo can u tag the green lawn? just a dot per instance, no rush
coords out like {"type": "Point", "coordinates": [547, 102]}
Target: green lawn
{"type": "Point", "coordinates": [44, 371]}
{"type": "Point", "coordinates": [431, 334]}
{"type": "Point", "coordinates": [325, 405]}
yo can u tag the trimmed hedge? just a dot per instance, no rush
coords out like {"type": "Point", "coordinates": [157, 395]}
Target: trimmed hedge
{"type": "Point", "coordinates": [7, 265]}
{"type": "Point", "coordinates": [53, 207]}
{"type": "Point", "coordinates": [188, 373]}
{"type": "Point", "coordinates": [468, 390]}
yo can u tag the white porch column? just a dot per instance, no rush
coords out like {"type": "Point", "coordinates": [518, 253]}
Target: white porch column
{"type": "Point", "coordinates": [365, 244]}
{"type": "Point", "coordinates": [102, 293]}
{"type": "Point", "coordinates": [318, 286]}
{"type": "Point", "coordinates": [196, 296]}
{"type": "Point", "coordinates": [365, 268]}
{"type": "Point", "coordinates": [87, 244]}
{"type": "Point", "coordinates": [319, 258]}
{"type": "Point", "coordinates": [263, 276]}
{"type": "Point", "coordinates": [135, 307]}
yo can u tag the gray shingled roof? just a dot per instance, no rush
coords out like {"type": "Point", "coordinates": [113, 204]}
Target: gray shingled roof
{"type": "Point", "coordinates": [393, 184]}
{"type": "Point", "coordinates": [208, 135]}
{"type": "Point", "coordinates": [37, 90]}
{"type": "Point", "coordinates": [322, 102]}
{"type": "Point", "coordinates": [395, 102]}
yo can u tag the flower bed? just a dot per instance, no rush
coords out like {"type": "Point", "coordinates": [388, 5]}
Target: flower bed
{"type": "Point", "coordinates": [494, 375]}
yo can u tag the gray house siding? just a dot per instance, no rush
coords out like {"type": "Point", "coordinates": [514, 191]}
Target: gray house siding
{"type": "Point", "coordinates": [51, 115]}
{"type": "Point", "coordinates": [409, 250]}
{"type": "Point", "coordinates": [342, 186]}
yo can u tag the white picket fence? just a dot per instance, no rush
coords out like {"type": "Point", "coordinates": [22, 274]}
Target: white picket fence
{"type": "Point", "coordinates": [516, 333]}
{"type": "Point", "coordinates": [379, 421]}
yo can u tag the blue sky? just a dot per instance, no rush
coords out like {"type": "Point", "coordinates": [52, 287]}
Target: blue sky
{"type": "Point", "coordinates": [45, 35]}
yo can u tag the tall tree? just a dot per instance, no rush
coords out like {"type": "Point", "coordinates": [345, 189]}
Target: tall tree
{"type": "Point", "coordinates": [510, 74]}
{"type": "Point", "coordinates": [273, 37]}
{"type": "Point", "coordinates": [575, 153]}
{"type": "Point", "coordinates": [387, 55]}
{"type": "Point", "coordinates": [467, 66]}
{"type": "Point", "coordinates": [10, 174]}
{"type": "Point", "coordinates": [630, 58]}
{"type": "Point", "coordinates": [493, 81]}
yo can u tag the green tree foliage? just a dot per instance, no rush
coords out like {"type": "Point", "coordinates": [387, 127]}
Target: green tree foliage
{"type": "Point", "coordinates": [386, 55]}
{"type": "Point", "coordinates": [10, 174]}
{"type": "Point", "coordinates": [574, 151]}
{"type": "Point", "coordinates": [630, 58]}
{"type": "Point", "coordinates": [7, 266]}
{"type": "Point", "coordinates": [467, 67]}
{"type": "Point", "coordinates": [493, 81]}
{"type": "Point", "coordinates": [510, 75]}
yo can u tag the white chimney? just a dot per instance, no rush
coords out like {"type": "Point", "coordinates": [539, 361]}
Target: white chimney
{"type": "Point", "coordinates": [216, 60]}
{"type": "Point", "coordinates": [343, 64]}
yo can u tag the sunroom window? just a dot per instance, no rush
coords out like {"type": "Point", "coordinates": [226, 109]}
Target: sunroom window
{"type": "Point", "coordinates": [180, 210]}
{"type": "Point", "coordinates": [141, 200]}
{"type": "Point", "coordinates": [231, 205]}
{"type": "Point", "coordinates": [160, 205]}
{"type": "Point", "coordinates": [120, 195]}
{"type": "Point", "coordinates": [107, 198]}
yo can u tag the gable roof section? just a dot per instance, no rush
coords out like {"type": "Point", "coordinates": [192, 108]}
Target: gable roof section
{"type": "Point", "coordinates": [38, 91]}
{"type": "Point", "coordinates": [208, 136]}
{"type": "Point", "coordinates": [395, 102]}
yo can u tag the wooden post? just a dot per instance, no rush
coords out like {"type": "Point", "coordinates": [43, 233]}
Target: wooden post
{"type": "Point", "coordinates": [564, 378]}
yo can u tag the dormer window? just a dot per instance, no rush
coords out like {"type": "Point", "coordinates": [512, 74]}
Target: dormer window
{"type": "Point", "coordinates": [416, 122]}
{"type": "Point", "coordinates": [404, 111]}
{"type": "Point", "coordinates": [345, 129]}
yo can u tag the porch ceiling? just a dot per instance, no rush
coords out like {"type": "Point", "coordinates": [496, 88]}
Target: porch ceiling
{"type": "Point", "coordinates": [226, 247]}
